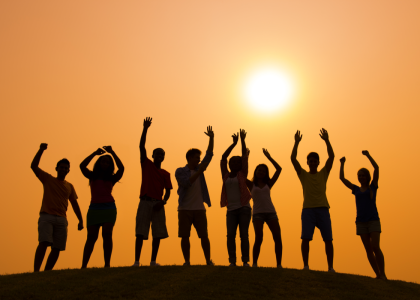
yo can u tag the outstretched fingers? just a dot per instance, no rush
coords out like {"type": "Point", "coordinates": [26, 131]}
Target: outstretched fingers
{"type": "Point", "coordinates": [209, 132]}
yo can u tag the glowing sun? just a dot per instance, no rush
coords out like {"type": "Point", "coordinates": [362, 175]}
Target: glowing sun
{"type": "Point", "coordinates": [268, 90]}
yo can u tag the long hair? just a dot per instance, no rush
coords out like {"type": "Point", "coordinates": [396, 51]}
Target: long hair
{"type": "Point", "coordinates": [367, 173]}
{"type": "Point", "coordinates": [98, 173]}
{"type": "Point", "coordinates": [266, 179]}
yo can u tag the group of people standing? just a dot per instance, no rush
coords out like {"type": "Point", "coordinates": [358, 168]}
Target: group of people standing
{"type": "Point", "coordinates": [237, 192]}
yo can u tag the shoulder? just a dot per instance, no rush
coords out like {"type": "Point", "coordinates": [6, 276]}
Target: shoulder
{"type": "Point", "coordinates": [374, 186]}
{"type": "Point", "coordinates": [180, 170]}
{"type": "Point", "coordinates": [355, 189]}
{"type": "Point", "coordinates": [146, 161]}
{"type": "Point", "coordinates": [164, 172]}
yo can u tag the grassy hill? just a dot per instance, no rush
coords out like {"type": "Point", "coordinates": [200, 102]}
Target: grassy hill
{"type": "Point", "coordinates": [200, 282]}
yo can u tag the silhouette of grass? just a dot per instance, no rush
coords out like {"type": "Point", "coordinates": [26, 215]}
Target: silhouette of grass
{"type": "Point", "coordinates": [200, 282]}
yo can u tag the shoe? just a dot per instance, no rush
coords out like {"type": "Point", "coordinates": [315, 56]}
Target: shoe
{"type": "Point", "coordinates": [331, 270]}
{"type": "Point", "coordinates": [186, 264]}
{"type": "Point", "coordinates": [246, 264]}
{"type": "Point", "coordinates": [255, 266]}
{"type": "Point", "coordinates": [210, 263]}
{"type": "Point", "coordinates": [153, 263]}
{"type": "Point", "coordinates": [305, 268]}
{"type": "Point", "coordinates": [136, 264]}
{"type": "Point", "coordinates": [232, 265]}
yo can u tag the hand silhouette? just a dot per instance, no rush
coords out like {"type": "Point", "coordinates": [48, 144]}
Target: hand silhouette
{"type": "Point", "coordinates": [242, 133]}
{"type": "Point", "coordinates": [99, 151]}
{"type": "Point", "coordinates": [108, 149]}
{"type": "Point", "coordinates": [365, 152]}
{"type": "Point", "coordinates": [298, 136]}
{"type": "Point", "coordinates": [324, 134]}
{"type": "Point", "coordinates": [235, 137]}
{"type": "Point", "coordinates": [147, 122]}
{"type": "Point", "coordinates": [265, 151]}
{"type": "Point", "coordinates": [43, 146]}
{"type": "Point", "coordinates": [209, 132]}
{"type": "Point", "coordinates": [343, 160]}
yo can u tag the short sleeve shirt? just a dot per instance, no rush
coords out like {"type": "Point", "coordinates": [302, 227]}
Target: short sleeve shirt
{"type": "Point", "coordinates": [56, 194]}
{"type": "Point", "coordinates": [314, 188]}
{"type": "Point", "coordinates": [365, 205]}
{"type": "Point", "coordinates": [154, 180]}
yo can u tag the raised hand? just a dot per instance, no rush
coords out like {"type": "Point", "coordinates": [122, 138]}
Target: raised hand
{"type": "Point", "coordinates": [147, 122]}
{"type": "Point", "coordinates": [209, 132]}
{"type": "Point", "coordinates": [324, 134]}
{"type": "Point", "coordinates": [99, 151]}
{"type": "Point", "coordinates": [108, 149]}
{"type": "Point", "coordinates": [298, 136]}
{"type": "Point", "coordinates": [365, 152]}
{"type": "Point", "coordinates": [343, 160]}
{"type": "Point", "coordinates": [265, 151]}
{"type": "Point", "coordinates": [242, 134]}
{"type": "Point", "coordinates": [43, 146]}
{"type": "Point", "coordinates": [235, 137]}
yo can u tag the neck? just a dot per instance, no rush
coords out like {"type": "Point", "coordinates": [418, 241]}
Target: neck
{"type": "Point", "coordinates": [313, 171]}
{"type": "Point", "coordinates": [191, 166]}
{"type": "Point", "coordinates": [157, 164]}
{"type": "Point", "coordinates": [233, 174]}
{"type": "Point", "coordinates": [61, 177]}
{"type": "Point", "coordinates": [259, 182]}
{"type": "Point", "coordinates": [365, 185]}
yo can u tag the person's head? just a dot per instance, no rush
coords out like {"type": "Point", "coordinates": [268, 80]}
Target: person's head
{"type": "Point", "coordinates": [193, 157]}
{"type": "Point", "coordinates": [364, 176]}
{"type": "Point", "coordinates": [261, 174]}
{"type": "Point", "coordinates": [235, 164]}
{"type": "Point", "coordinates": [158, 155]}
{"type": "Point", "coordinates": [313, 161]}
{"type": "Point", "coordinates": [103, 168]}
{"type": "Point", "coordinates": [63, 168]}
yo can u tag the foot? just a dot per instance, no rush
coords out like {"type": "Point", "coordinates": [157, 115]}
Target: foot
{"type": "Point", "coordinates": [246, 264]}
{"type": "Point", "coordinates": [383, 277]}
{"type": "Point", "coordinates": [136, 264]}
{"type": "Point", "coordinates": [187, 263]}
{"type": "Point", "coordinates": [279, 267]}
{"type": "Point", "coordinates": [153, 263]}
{"type": "Point", "coordinates": [305, 268]}
{"type": "Point", "coordinates": [232, 265]}
{"type": "Point", "coordinates": [255, 266]}
{"type": "Point", "coordinates": [210, 263]}
{"type": "Point", "coordinates": [331, 270]}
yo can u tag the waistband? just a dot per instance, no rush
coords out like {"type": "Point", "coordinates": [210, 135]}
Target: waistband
{"type": "Point", "coordinates": [147, 198]}
{"type": "Point", "coordinates": [100, 206]}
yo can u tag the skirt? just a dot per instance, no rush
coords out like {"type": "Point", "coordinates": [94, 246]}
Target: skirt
{"type": "Point", "coordinates": [100, 216]}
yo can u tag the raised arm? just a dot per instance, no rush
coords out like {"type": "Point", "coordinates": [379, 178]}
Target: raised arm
{"type": "Point", "coordinates": [243, 144]}
{"type": "Point", "coordinates": [37, 158]}
{"type": "Point", "coordinates": [330, 160]}
{"type": "Point", "coordinates": [83, 165]}
{"type": "Point", "coordinates": [276, 165]}
{"type": "Point", "coordinates": [223, 162]}
{"type": "Point", "coordinates": [118, 175]}
{"type": "Point", "coordinates": [342, 178]}
{"type": "Point", "coordinates": [210, 134]}
{"type": "Point", "coordinates": [296, 164]}
{"type": "Point", "coordinates": [375, 166]}
{"type": "Point", "coordinates": [146, 124]}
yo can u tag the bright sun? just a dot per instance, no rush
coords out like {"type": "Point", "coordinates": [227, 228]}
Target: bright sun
{"type": "Point", "coordinates": [268, 90]}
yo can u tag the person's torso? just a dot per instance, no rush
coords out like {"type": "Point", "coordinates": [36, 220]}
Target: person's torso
{"type": "Point", "coordinates": [153, 180]}
{"type": "Point", "coordinates": [56, 195]}
{"type": "Point", "coordinates": [314, 189]}
{"type": "Point", "coordinates": [262, 200]}
{"type": "Point", "coordinates": [193, 199]}
{"type": "Point", "coordinates": [101, 191]}
{"type": "Point", "coordinates": [365, 205]}
{"type": "Point", "coordinates": [233, 193]}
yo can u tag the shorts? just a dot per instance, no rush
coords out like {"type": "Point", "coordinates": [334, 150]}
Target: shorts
{"type": "Point", "coordinates": [368, 227]}
{"type": "Point", "coordinates": [146, 215]}
{"type": "Point", "coordinates": [100, 216]}
{"type": "Point", "coordinates": [316, 217]}
{"type": "Point", "coordinates": [53, 230]}
{"type": "Point", "coordinates": [265, 217]}
{"type": "Point", "coordinates": [186, 218]}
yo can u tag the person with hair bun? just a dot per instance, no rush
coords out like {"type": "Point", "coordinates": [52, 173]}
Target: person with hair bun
{"type": "Point", "coordinates": [102, 210]}
{"type": "Point", "coordinates": [368, 224]}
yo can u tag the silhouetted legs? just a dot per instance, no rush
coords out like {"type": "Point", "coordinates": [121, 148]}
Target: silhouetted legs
{"type": "Point", "coordinates": [278, 246]}
{"type": "Point", "coordinates": [374, 253]}
{"type": "Point", "coordinates": [155, 248]}
{"type": "Point", "coordinates": [185, 247]}
{"type": "Point", "coordinates": [329, 250]}
{"type": "Point", "coordinates": [139, 246]}
{"type": "Point", "coordinates": [40, 254]}
{"type": "Point", "coordinates": [305, 252]}
{"type": "Point", "coordinates": [258, 229]}
{"type": "Point", "coordinates": [92, 237]}
{"type": "Point", "coordinates": [205, 244]}
{"type": "Point", "coordinates": [239, 217]}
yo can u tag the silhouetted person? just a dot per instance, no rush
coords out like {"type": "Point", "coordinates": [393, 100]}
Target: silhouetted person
{"type": "Point", "coordinates": [315, 212]}
{"type": "Point", "coordinates": [193, 193]}
{"type": "Point", "coordinates": [236, 196]}
{"type": "Point", "coordinates": [263, 209]}
{"type": "Point", "coordinates": [102, 210]}
{"type": "Point", "coordinates": [151, 207]}
{"type": "Point", "coordinates": [52, 223]}
{"type": "Point", "coordinates": [368, 225]}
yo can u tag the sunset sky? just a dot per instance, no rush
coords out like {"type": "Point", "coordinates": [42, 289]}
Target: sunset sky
{"type": "Point", "coordinates": [82, 74]}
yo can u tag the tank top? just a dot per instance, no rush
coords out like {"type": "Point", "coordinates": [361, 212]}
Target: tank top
{"type": "Point", "coordinates": [101, 191]}
{"type": "Point", "coordinates": [262, 200]}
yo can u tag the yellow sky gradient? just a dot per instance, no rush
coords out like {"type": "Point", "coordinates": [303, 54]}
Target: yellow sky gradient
{"type": "Point", "coordinates": [82, 74]}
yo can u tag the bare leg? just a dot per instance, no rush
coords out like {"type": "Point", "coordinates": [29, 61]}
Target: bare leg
{"type": "Point", "coordinates": [39, 255]}
{"type": "Point", "coordinates": [305, 252]}
{"type": "Point", "coordinates": [52, 259]}
{"type": "Point", "coordinates": [380, 260]}
{"type": "Point", "coordinates": [107, 240]}
{"type": "Point", "coordinates": [258, 229]}
{"type": "Point", "coordinates": [205, 244]}
{"type": "Point", "coordinates": [155, 248]}
{"type": "Point", "coordinates": [329, 250]}
{"type": "Point", "coordinates": [139, 245]}
{"type": "Point", "coordinates": [92, 236]}
{"type": "Point", "coordinates": [185, 247]}
{"type": "Point", "coordinates": [275, 230]}
{"type": "Point", "coordinates": [369, 251]}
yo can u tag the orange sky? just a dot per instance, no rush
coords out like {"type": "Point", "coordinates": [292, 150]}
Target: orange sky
{"type": "Point", "coordinates": [82, 74]}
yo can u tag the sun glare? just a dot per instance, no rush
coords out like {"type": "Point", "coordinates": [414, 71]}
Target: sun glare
{"type": "Point", "coordinates": [268, 90]}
